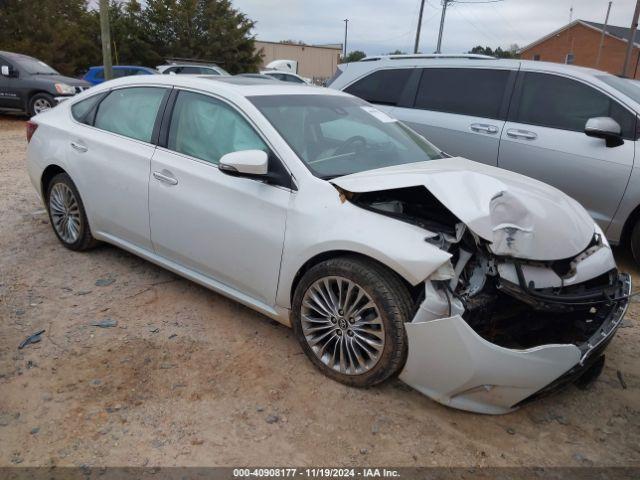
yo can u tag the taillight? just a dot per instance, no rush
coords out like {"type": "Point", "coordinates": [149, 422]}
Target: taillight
{"type": "Point", "coordinates": [31, 129]}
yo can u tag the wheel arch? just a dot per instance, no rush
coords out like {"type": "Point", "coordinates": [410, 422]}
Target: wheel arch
{"type": "Point", "coordinates": [46, 177]}
{"type": "Point", "coordinates": [629, 223]}
{"type": "Point", "coordinates": [32, 93]}
{"type": "Point", "coordinates": [331, 254]}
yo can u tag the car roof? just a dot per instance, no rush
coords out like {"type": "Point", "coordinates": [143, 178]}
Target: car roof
{"type": "Point", "coordinates": [120, 67]}
{"type": "Point", "coordinates": [15, 55]}
{"type": "Point", "coordinates": [206, 65]}
{"type": "Point", "coordinates": [234, 85]}
{"type": "Point", "coordinates": [388, 61]}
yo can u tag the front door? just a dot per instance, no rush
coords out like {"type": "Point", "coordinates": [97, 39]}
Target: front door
{"type": "Point", "coordinates": [227, 228]}
{"type": "Point", "coordinates": [544, 139]}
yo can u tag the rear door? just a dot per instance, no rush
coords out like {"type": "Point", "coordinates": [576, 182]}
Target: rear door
{"type": "Point", "coordinates": [110, 151]}
{"type": "Point", "coordinates": [461, 110]}
{"type": "Point", "coordinates": [544, 139]}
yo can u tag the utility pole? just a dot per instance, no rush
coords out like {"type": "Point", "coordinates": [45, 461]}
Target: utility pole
{"type": "Point", "coordinates": [604, 29]}
{"type": "Point", "coordinates": [346, 28]}
{"type": "Point", "coordinates": [445, 3]}
{"type": "Point", "coordinates": [105, 36]}
{"type": "Point", "coordinates": [632, 34]}
{"type": "Point", "coordinates": [415, 47]}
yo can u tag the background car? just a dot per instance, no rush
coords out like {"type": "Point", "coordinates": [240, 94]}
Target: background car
{"type": "Point", "coordinates": [480, 287]}
{"type": "Point", "coordinates": [95, 75]}
{"type": "Point", "coordinates": [192, 68]}
{"type": "Point", "coordinates": [258, 76]}
{"type": "Point", "coordinates": [285, 76]}
{"type": "Point", "coordinates": [530, 117]}
{"type": "Point", "coordinates": [31, 86]}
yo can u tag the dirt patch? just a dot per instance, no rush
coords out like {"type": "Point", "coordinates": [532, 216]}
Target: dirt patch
{"type": "Point", "coordinates": [187, 377]}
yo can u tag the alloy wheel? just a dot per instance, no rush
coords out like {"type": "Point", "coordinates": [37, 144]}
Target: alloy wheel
{"type": "Point", "coordinates": [342, 325]}
{"type": "Point", "coordinates": [65, 213]}
{"type": "Point", "coordinates": [41, 105]}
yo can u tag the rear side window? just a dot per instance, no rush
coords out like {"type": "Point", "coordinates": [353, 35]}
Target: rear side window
{"type": "Point", "coordinates": [130, 112]}
{"type": "Point", "coordinates": [80, 110]}
{"type": "Point", "coordinates": [383, 87]}
{"type": "Point", "coordinates": [464, 91]}
{"type": "Point", "coordinates": [559, 102]}
{"type": "Point", "coordinates": [206, 128]}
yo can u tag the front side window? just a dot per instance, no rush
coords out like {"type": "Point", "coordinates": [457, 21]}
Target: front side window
{"type": "Point", "coordinates": [383, 87]}
{"type": "Point", "coordinates": [130, 112]}
{"type": "Point", "coordinates": [338, 135]}
{"type": "Point", "coordinates": [463, 91]}
{"type": "Point", "coordinates": [206, 128]}
{"type": "Point", "coordinates": [559, 102]}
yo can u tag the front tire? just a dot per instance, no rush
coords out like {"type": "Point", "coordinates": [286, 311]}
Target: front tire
{"type": "Point", "coordinates": [40, 102]}
{"type": "Point", "coordinates": [67, 214]}
{"type": "Point", "coordinates": [348, 314]}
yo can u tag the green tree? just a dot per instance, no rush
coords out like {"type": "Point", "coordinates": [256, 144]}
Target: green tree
{"type": "Point", "coordinates": [202, 29]}
{"type": "Point", "coordinates": [512, 52]}
{"type": "Point", "coordinates": [354, 56]}
{"type": "Point", "coordinates": [54, 31]}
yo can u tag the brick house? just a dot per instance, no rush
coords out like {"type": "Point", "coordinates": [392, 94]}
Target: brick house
{"type": "Point", "coordinates": [577, 43]}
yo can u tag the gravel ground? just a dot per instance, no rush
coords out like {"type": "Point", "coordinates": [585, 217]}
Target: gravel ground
{"type": "Point", "coordinates": [187, 377]}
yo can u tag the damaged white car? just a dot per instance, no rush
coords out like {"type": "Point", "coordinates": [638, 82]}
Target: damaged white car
{"type": "Point", "coordinates": [481, 288]}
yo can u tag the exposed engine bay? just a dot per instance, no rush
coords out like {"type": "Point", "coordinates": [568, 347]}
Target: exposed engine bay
{"type": "Point", "coordinates": [526, 296]}
{"type": "Point", "coordinates": [511, 302]}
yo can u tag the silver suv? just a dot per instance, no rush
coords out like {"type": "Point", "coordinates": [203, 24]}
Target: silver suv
{"type": "Point", "coordinates": [571, 127]}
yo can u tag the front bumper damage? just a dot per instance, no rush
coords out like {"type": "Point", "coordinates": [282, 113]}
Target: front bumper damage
{"type": "Point", "coordinates": [453, 364]}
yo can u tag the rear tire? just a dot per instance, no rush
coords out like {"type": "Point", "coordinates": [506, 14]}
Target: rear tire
{"type": "Point", "coordinates": [39, 103]}
{"type": "Point", "coordinates": [358, 349]}
{"type": "Point", "coordinates": [67, 214]}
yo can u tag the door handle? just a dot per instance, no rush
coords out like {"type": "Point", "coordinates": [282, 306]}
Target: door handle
{"type": "Point", "coordinates": [79, 147]}
{"type": "Point", "coordinates": [523, 134]}
{"type": "Point", "coordinates": [163, 177]}
{"type": "Point", "coordinates": [483, 128]}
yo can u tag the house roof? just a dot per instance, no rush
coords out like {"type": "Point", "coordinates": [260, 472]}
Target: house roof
{"type": "Point", "coordinates": [621, 33]}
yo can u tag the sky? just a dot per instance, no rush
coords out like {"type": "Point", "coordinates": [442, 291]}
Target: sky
{"type": "Point", "coordinates": [382, 26]}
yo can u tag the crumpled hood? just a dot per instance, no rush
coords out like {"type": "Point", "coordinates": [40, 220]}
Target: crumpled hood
{"type": "Point", "coordinates": [520, 216]}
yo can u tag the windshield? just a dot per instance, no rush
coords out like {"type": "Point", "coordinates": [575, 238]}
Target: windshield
{"type": "Point", "coordinates": [336, 135]}
{"type": "Point", "coordinates": [33, 66]}
{"type": "Point", "coordinates": [630, 88]}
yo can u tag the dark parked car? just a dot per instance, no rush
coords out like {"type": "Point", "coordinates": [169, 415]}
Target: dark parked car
{"type": "Point", "coordinates": [95, 75]}
{"type": "Point", "coordinates": [31, 86]}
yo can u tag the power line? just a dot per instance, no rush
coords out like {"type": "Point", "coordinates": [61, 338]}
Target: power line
{"type": "Point", "coordinates": [445, 4]}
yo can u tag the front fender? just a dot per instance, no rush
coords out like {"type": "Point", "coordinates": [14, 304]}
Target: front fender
{"type": "Point", "coordinates": [343, 226]}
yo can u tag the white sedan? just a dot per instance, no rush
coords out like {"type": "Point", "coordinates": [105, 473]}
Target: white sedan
{"type": "Point", "coordinates": [480, 288]}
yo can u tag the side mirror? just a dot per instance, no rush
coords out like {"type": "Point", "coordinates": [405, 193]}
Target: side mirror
{"type": "Point", "coordinates": [606, 128]}
{"type": "Point", "coordinates": [6, 71]}
{"type": "Point", "coordinates": [250, 163]}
